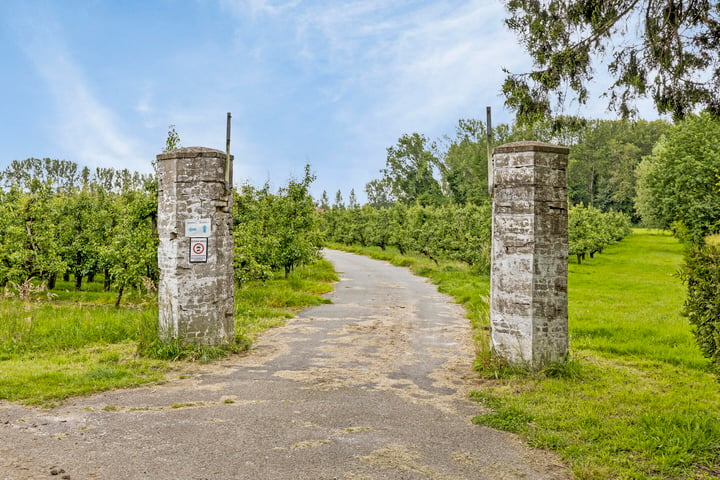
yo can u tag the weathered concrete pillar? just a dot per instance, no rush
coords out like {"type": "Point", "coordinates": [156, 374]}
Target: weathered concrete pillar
{"type": "Point", "coordinates": [195, 255]}
{"type": "Point", "coordinates": [528, 292]}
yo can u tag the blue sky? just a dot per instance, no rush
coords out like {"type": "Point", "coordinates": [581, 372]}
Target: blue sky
{"type": "Point", "coordinates": [332, 83]}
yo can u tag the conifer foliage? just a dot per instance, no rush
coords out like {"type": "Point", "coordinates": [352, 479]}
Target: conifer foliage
{"type": "Point", "coordinates": [668, 50]}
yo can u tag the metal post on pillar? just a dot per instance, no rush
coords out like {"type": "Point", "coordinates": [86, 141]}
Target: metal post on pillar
{"type": "Point", "coordinates": [489, 141]}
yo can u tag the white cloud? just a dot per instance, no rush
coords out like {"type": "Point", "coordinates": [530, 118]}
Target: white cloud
{"type": "Point", "coordinates": [258, 7]}
{"type": "Point", "coordinates": [86, 129]}
{"type": "Point", "coordinates": [416, 66]}
{"type": "Point", "coordinates": [144, 103]}
{"type": "Point", "coordinates": [379, 68]}
{"type": "Point", "coordinates": [444, 61]}
{"type": "Point", "coordinates": [440, 52]}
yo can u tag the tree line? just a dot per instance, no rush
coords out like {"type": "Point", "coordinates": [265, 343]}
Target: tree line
{"type": "Point", "coordinates": [432, 196]}
{"type": "Point", "coordinates": [679, 188]}
{"type": "Point", "coordinates": [59, 220]}
{"type": "Point", "coordinates": [590, 230]}
{"type": "Point", "coordinates": [458, 232]}
{"type": "Point", "coordinates": [447, 232]}
{"type": "Point", "coordinates": [603, 164]}
{"type": "Point", "coordinates": [274, 231]}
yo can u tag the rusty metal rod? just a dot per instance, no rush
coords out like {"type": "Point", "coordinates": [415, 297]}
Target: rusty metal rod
{"type": "Point", "coordinates": [227, 154]}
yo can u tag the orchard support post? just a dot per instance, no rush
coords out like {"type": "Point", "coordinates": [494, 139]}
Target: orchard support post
{"type": "Point", "coordinates": [195, 254]}
{"type": "Point", "coordinates": [528, 284]}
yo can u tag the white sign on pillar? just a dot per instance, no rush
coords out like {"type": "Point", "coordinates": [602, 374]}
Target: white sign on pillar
{"type": "Point", "coordinates": [198, 249]}
{"type": "Point", "coordinates": [198, 228]}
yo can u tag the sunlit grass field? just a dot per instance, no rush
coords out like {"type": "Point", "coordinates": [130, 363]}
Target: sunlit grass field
{"type": "Point", "coordinates": [627, 301]}
{"type": "Point", "coordinates": [77, 342]}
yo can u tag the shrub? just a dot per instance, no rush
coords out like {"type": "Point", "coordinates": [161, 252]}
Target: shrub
{"type": "Point", "coordinates": [701, 273]}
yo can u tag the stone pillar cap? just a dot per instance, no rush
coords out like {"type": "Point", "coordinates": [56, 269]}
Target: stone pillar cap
{"type": "Point", "coordinates": [191, 152]}
{"type": "Point", "coordinates": [530, 146]}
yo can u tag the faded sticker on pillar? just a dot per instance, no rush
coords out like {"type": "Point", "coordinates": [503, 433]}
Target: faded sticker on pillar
{"type": "Point", "coordinates": [198, 250]}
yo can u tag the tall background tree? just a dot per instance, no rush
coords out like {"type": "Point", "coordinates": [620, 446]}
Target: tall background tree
{"type": "Point", "coordinates": [421, 171]}
{"type": "Point", "coordinates": [679, 184]}
{"type": "Point", "coordinates": [409, 170]}
{"type": "Point", "coordinates": [603, 160]}
{"type": "Point", "coordinates": [464, 164]}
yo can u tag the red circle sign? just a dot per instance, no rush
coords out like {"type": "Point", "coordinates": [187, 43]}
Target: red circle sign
{"type": "Point", "coordinates": [198, 248]}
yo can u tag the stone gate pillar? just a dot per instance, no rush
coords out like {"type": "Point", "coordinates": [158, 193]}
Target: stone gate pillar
{"type": "Point", "coordinates": [195, 255]}
{"type": "Point", "coordinates": [528, 283]}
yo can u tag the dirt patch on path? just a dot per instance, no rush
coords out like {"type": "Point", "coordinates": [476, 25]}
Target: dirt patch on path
{"type": "Point", "coordinates": [373, 386]}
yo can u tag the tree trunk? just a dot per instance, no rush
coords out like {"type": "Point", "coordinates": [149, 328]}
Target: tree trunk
{"type": "Point", "coordinates": [119, 296]}
{"type": "Point", "coordinates": [78, 282]}
{"type": "Point", "coordinates": [591, 188]}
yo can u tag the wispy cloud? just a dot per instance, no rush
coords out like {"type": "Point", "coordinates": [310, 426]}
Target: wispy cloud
{"type": "Point", "coordinates": [86, 130]}
{"type": "Point", "coordinates": [258, 7]}
{"type": "Point", "coordinates": [413, 63]}
{"type": "Point", "coordinates": [381, 69]}
{"type": "Point", "coordinates": [144, 104]}
{"type": "Point", "coordinates": [444, 62]}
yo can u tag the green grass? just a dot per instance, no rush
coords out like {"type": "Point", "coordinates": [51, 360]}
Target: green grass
{"type": "Point", "coordinates": [713, 239]}
{"type": "Point", "coordinates": [93, 293]}
{"type": "Point", "coordinates": [55, 326]}
{"type": "Point", "coordinates": [645, 405]}
{"type": "Point", "coordinates": [260, 306]}
{"type": "Point", "coordinates": [627, 302]}
{"type": "Point", "coordinates": [76, 343]}
{"type": "Point", "coordinates": [637, 399]}
{"type": "Point", "coordinates": [43, 378]}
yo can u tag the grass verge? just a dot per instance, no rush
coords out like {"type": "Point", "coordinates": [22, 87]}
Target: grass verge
{"type": "Point", "coordinates": [75, 344]}
{"type": "Point", "coordinates": [637, 399]}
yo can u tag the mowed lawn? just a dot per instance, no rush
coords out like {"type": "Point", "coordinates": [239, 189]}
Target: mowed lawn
{"type": "Point", "coordinates": [628, 301]}
{"type": "Point", "coordinates": [637, 400]}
